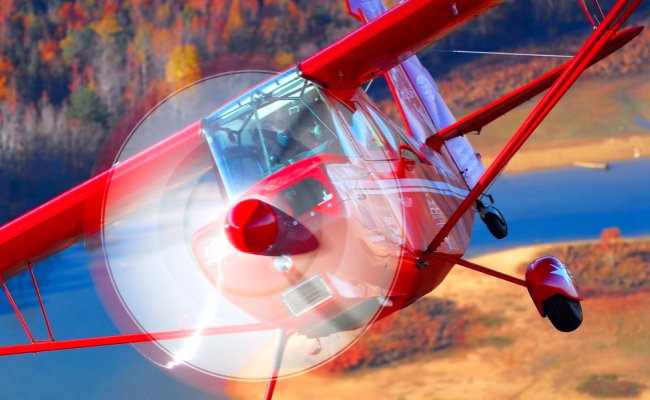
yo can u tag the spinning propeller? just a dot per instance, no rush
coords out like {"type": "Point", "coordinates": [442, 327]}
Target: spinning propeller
{"type": "Point", "coordinates": [265, 278]}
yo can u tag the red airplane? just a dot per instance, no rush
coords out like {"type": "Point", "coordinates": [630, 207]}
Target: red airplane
{"type": "Point", "coordinates": [298, 209]}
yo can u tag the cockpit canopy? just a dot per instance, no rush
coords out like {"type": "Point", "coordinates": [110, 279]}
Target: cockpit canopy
{"type": "Point", "coordinates": [288, 119]}
{"type": "Point", "coordinates": [284, 120]}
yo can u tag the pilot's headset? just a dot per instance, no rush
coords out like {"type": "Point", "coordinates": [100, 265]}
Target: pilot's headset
{"type": "Point", "coordinates": [283, 138]}
{"type": "Point", "coordinates": [317, 133]}
{"type": "Point", "coordinates": [280, 136]}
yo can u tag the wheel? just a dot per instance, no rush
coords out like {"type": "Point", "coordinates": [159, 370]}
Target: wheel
{"type": "Point", "coordinates": [496, 224]}
{"type": "Point", "coordinates": [565, 314]}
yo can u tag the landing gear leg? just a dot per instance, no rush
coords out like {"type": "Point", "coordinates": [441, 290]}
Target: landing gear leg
{"type": "Point", "coordinates": [550, 284]}
{"type": "Point", "coordinates": [281, 337]}
{"type": "Point", "coordinates": [492, 217]}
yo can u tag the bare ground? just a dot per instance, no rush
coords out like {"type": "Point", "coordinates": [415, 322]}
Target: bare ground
{"type": "Point", "coordinates": [562, 155]}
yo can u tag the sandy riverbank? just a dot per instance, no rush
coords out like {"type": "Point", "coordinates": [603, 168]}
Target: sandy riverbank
{"type": "Point", "coordinates": [563, 155]}
{"type": "Point", "coordinates": [522, 357]}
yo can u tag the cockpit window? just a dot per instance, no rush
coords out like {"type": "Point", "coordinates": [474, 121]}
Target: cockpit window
{"type": "Point", "coordinates": [373, 145]}
{"type": "Point", "coordinates": [394, 135]}
{"type": "Point", "coordinates": [283, 121]}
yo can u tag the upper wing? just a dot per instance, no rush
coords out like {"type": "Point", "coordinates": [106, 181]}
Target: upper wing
{"type": "Point", "coordinates": [363, 54]}
{"type": "Point", "coordinates": [383, 43]}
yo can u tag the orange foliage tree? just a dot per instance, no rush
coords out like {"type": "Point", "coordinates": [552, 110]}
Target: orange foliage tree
{"type": "Point", "coordinates": [161, 42]}
{"type": "Point", "coordinates": [428, 325]}
{"type": "Point", "coordinates": [49, 50]}
{"type": "Point", "coordinates": [72, 15]}
{"type": "Point", "coordinates": [183, 66]}
{"type": "Point", "coordinates": [234, 20]}
{"type": "Point", "coordinates": [6, 93]}
{"type": "Point", "coordinates": [107, 27]}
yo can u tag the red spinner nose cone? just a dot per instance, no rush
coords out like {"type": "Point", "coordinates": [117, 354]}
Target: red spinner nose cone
{"type": "Point", "coordinates": [252, 226]}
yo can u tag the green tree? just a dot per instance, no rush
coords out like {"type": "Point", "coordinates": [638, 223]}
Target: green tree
{"type": "Point", "coordinates": [78, 45]}
{"type": "Point", "coordinates": [87, 107]}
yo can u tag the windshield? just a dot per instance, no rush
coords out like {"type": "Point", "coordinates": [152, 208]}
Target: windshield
{"type": "Point", "coordinates": [283, 121]}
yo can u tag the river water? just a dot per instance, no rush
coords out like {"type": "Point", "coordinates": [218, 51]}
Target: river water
{"type": "Point", "coordinates": [569, 204]}
{"type": "Point", "coordinates": [542, 206]}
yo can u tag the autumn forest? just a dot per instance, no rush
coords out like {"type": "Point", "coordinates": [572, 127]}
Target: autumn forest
{"type": "Point", "coordinates": [73, 72]}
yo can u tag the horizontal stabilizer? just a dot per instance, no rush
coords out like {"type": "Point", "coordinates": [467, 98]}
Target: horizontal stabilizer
{"type": "Point", "coordinates": [477, 120]}
{"type": "Point", "coordinates": [604, 40]}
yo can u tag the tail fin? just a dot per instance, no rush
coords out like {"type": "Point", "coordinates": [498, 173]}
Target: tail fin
{"type": "Point", "coordinates": [422, 107]}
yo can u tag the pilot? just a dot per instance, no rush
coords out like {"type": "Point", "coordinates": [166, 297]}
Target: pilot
{"type": "Point", "coordinates": [281, 146]}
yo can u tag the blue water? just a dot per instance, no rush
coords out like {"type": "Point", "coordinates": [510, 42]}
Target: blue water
{"type": "Point", "coordinates": [75, 311]}
{"type": "Point", "coordinates": [545, 206]}
{"type": "Point", "coordinates": [569, 204]}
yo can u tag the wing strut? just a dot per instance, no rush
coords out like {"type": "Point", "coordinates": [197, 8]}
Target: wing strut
{"type": "Point", "coordinates": [30, 336]}
{"type": "Point", "coordinates": [479, 268]}
{"type": "Point", "coordinates": [593, 15]}
{"type": "Point", "coordinates": [589, 51]}
{"type": "Point", "coordinates": [40, 302]}
{"type": "Point", "coordinates": [477, 120]}
{"type": "Point", "coordinates": [281, 338]}
{"type": "Point", "coordinates": [17, 311]}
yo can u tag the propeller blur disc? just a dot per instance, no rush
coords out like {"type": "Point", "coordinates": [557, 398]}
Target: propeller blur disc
{"type": "Point", "coordinates": [169, 265]}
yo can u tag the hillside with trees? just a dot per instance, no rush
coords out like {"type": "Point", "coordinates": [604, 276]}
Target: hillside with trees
{"type": "Point", "coordinates": [73, 72]}
{"type": "Point", "coordinates": [612, 267]}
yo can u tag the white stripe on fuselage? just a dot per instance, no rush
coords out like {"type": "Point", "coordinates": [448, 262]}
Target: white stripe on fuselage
{"type": "Point", "coordinates": [390, 186]}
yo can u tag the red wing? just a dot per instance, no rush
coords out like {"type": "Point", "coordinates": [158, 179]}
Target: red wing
{"type": "Point", "coordinates": [380, 45]}
{"type": "Point", "coordinates": [77, 213]}
{"type": "Point", "coordinates": [367, 52]}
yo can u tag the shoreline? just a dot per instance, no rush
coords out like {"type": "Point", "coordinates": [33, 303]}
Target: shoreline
{"type": "Point", "coordinates": [539, 247]}
{"type": "Point", "coordinates": [565, 155]}
{"type": "Point", "coordinates": [522, 356]}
